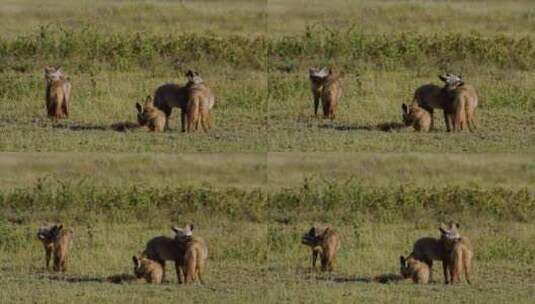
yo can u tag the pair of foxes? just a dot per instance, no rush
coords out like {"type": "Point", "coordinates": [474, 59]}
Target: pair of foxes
{"type": "Point", "coordinates": [187, 251]}
{"type": "Point", "coordinates": [195, 100]}
{"type": "Point", "coordinates": [455, 252]}
{"type": "Point", "coordinates": [457, 99]}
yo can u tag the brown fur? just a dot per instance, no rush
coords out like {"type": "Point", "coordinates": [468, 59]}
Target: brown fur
{"type": "Point", "coordinates": [58, 92]}
{"type": "Point", "coordinates": [195, 254]}
{"type": "Point", "coordinates": [460, 252]}
{"type": "Point", "coordinates": [430, 97]}
{"type": "Point", "coordinates": [169, 96]}
{"type": "Point", "coordinates": [429, 249]}
{"type": "Point", "coordinates": [162, 249]}
{"type": "Point", "coordinates": [200, 102]}
{"type": "Point", "coordinates": [461, 112]}
{"type": "Point", "coordinates": [330, 94]}
{"type": "Point", "coordinates": [323, 240]}
{"type": "Point", "coordinates": [317, 78]}
{"type": "Point", "coordinates": [416, 117]}
{"type": "Point", "coordinates": [57, 242]}
{"type": "Point", "coordinates": [416, 270]}
{"type": "Point", "coordinates": [150, 116]}
{"type": "Point", "coordinates": [148, 269]}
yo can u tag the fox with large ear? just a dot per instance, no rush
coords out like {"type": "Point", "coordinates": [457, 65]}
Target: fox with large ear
{"type": "Point", "coordinates": [57, 242]}
{"type": "Point", "coordinates": [150, 116]}
{"type": "Point", "coordinates": [322, 240]}
{"type": "Point", "coordinates": [416, 117]}
{"type": "Point", "coordinates": [460, 251]}
{"type": "Point", "coordinates": [462, 102]}
{"type": "Point", "coordinates": [416, 270]}
{"type": "Point", "coordinates": [195, 254]}
{"type": "Point", "coordinates": [58, 93]}
{"type": "Point", "coordinates": [317, 78]}
{"type": "Point", "coordinates": [148, 269]}
{"type": "Point", "coordinates": [331, 93]}
{"type": "Point", "coordinates": [200, 103]}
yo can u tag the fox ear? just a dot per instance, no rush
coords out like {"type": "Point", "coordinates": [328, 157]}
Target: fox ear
{"type": "Point", "coordinates": [312, 231]}
{"type": "Point", "coordinates": [135, 260]}
{"type": "Point", "coordinates": [175, 229]}
{"type": "Point", "coordinates": [402, 260]}
{"type": "Point", "coordinates": [139, 107]}
{"type": "Point", "coordinates": [457, 225]}
{"type": "Point", "coordinates": [404, 108]}
{"type": "Point", "coordinates": [60, 226]}
{"type": "Point", "coordinates": [443, 78]}
{"type": "Point", "coordinates": [190, 227]}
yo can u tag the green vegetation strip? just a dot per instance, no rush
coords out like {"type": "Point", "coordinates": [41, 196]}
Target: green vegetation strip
{"type": "Point", "coordinates": [321, 200]}
{"type": "Point", "coordinates": [121, 51]}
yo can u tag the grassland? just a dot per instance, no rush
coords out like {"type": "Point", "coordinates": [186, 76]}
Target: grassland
{"type": "Point", "coordinates": [385, 60]}
{"type": "Point", "coordinates": [269, 169]}
{"type": "Point", "coordinates": [113, 64]}
{"type": "Point", "coordinates": [253, 226]}
{"type": "Point", "coordinates": [256, 59]}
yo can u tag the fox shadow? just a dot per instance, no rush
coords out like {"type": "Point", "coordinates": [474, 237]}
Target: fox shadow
{"type": "Point", "coordinates": [384, 127]}
{"type": "Point", "coordinates": [119, 127]}
{"type": "Point", "coordinates": [382, 279]}
{"type": "Point", "coordinates": [115, 279]}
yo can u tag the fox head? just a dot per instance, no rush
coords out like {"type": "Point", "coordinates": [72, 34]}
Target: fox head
{"type": "Point", "coordinates": [49, 234]}
{"type": "Point", "coordinates": [408, 113]}
{"type": "Point", "coordinates": [142, 116]}
{"type": "Point", "coordinates": [194, 77]}
{"type": "Point", "coordinates": [317, 74]}
{"type": "Point", "coordinates": [403, 267]}
{"type": "Point", "coordinates": [183, 234]}
{"type": "Point", "coordinates": [315, 235]}
{"type": "Point", "coordinates": [449, 232]}
{"type": "Point", "coordinates": [451, 81]}
{"type": "Point", "coordinates": [139, 271]}
{"type": "Point", "coordinates": [53, 74]}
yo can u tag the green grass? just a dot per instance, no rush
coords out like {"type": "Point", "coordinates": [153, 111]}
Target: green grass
{"type": "Point", "coordinates": [253, 226]}
{"type": "Point", "coordinates": [267, 111]}
{"type": "Point", "coordinates": [271, 169]}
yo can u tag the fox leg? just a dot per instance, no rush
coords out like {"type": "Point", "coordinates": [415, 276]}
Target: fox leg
{"type": "Point", "coordinates": [316, 103]}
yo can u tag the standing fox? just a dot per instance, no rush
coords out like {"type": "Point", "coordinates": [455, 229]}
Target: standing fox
{"type": "Point", "coordinates": [195, 254]}
{"type": "Point", "coordinates": [200, 102]}
{"type": "Point", "coordinates": [317, 77]}
{"type": "Point", "coordinates": [430, 249]}
{"type": "Point", "coordinates": [58, 93]}
{"type": "Point", "coordinates": [150, 116]}
{"type": "Point", "coordinates": [148, 269]}
{"type": "Point", "coordinates": [461, 252]}
{"type": "Point", "coordinates": [331, 94]}
{"type": "Point", "coordinates": [57, 242]}
{"type": "Point", "coordinates": [169, 96]}
{"type": "Point", "coordinates": [462, 103]}
{"type": "Point", "coordinates": [323, 240]}
{"type": "Point", "coordinates": [162, 249]}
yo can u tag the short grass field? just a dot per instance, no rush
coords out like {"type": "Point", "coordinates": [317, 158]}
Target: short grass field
{"type": "Point", "coordinates": [256, 59]}
{"type": "Point", "coordinates": [387, 49]}
{"type": "Point", "coordinates": [253, 225]}
{"type": "Point", "coordinates": [116, 53]}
